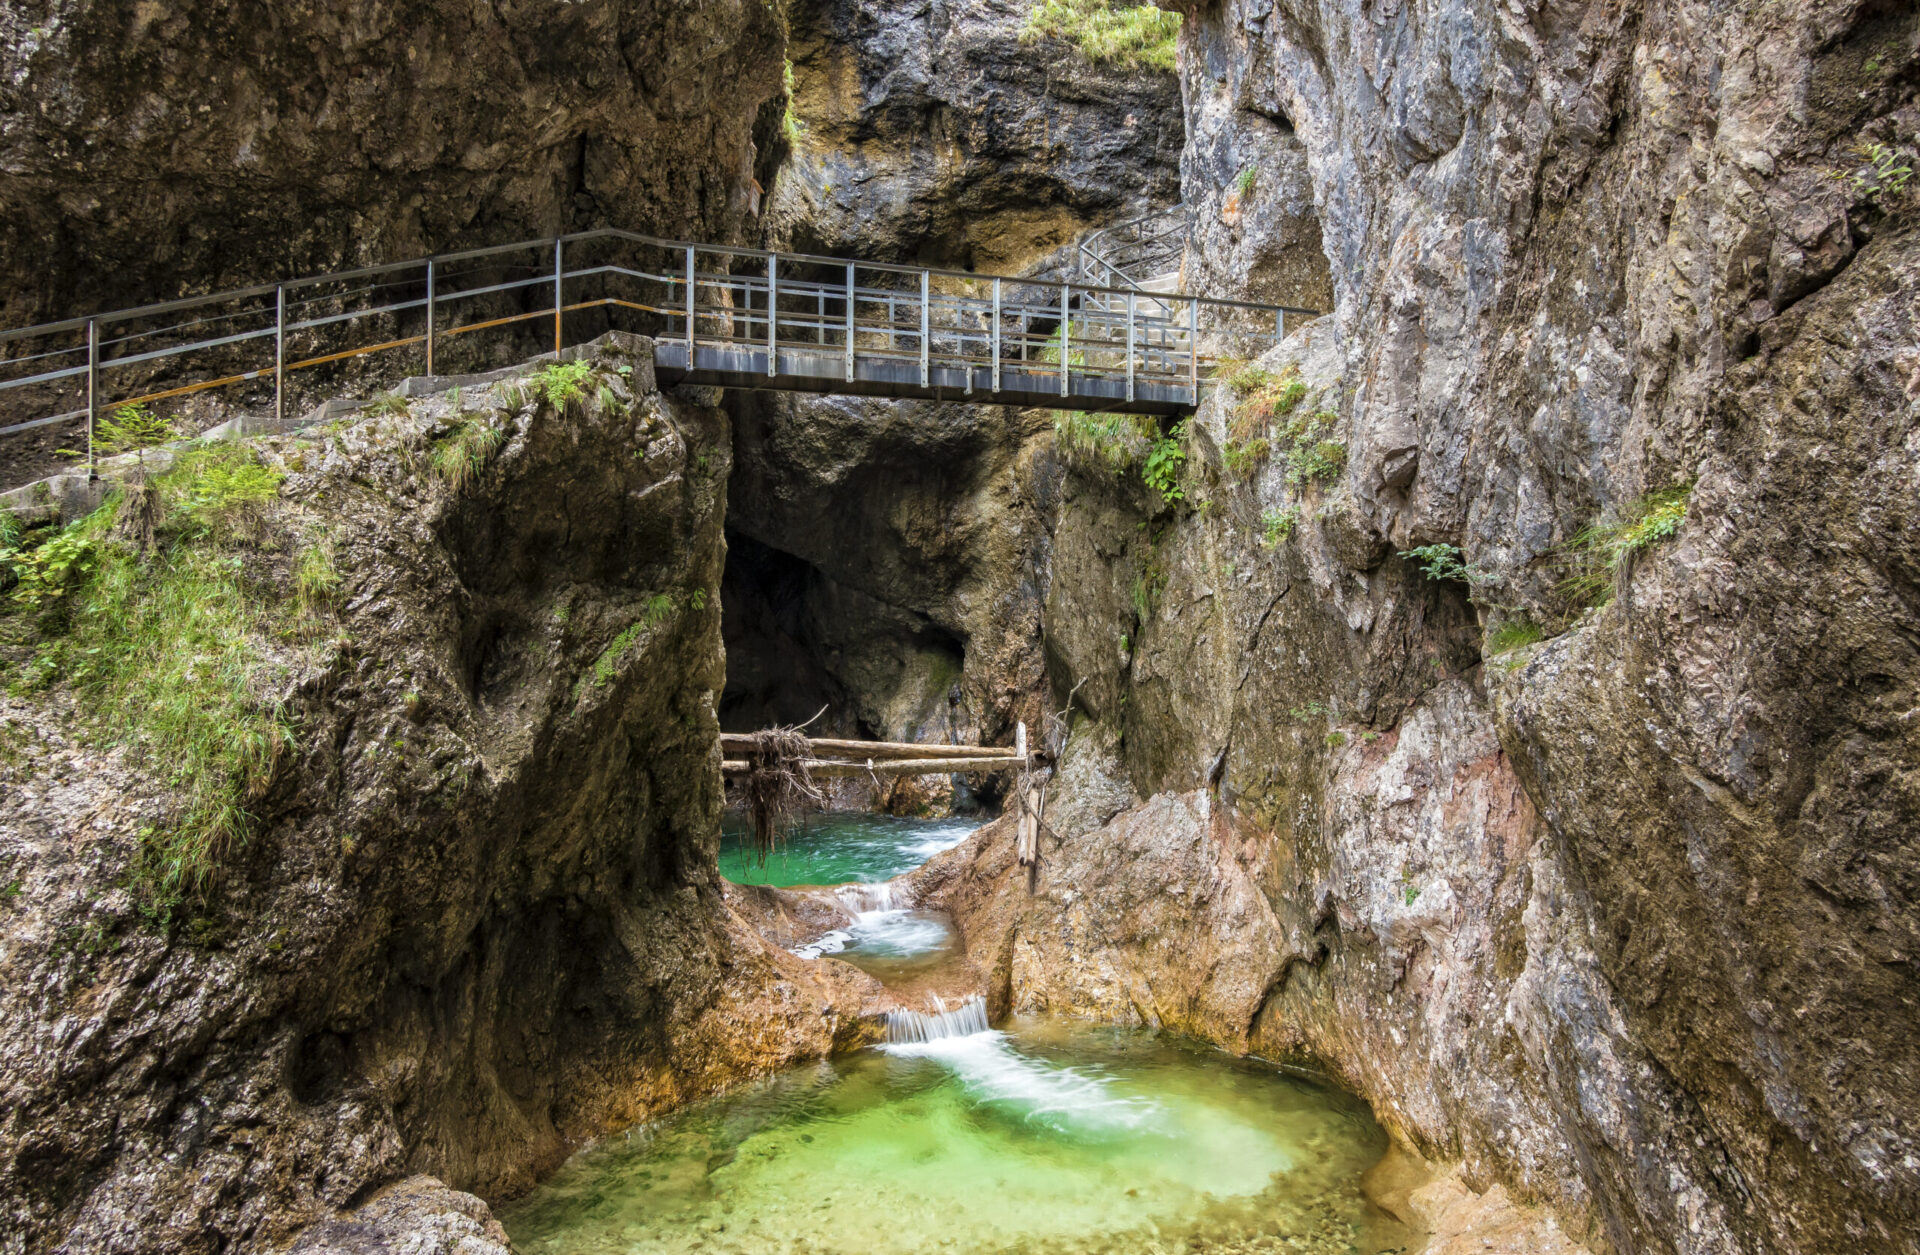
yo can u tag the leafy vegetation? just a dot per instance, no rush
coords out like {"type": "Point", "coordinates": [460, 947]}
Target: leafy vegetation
{"type": "Point", "coordinates": [1593, 557]}
{"type": "Point", "coordinates": [387, 405]}
{"type": "Point", "coordinates": [1115, 441]}
{"type": "Point", "coordinates": [1441, 563]}
{"type": "Point", "coordinates": [1243, 183]}
{"type": "Point", "coordinates": [607, 665]}
{"type": "Point", "coordinates": [1126, 34]}
{"type": "Point", "coordinates": [1166, 457]}
{"type": "Point", "coordinates": [130, 429]}
{"type": "Point", "coordinates": [160, 642]}
{"type": "Point", "coordinates": [1881, 172]}
{"type": "Point", "coordinates": [1316, 463]}
{"type": "Point", "coordinates": [790, 124]}
{"type": "Point", "coordinates": [1276, 525]}
{"type": "Point", "coordinates": [560, 384]}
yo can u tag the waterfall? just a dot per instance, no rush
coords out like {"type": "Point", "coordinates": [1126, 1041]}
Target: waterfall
{"type": "Point", "coordinates": [965, 1020]}
{"type": "Point", "coordinates": [861, 898]}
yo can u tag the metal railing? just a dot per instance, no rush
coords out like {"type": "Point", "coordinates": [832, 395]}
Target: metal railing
{"type": "Point", "coordinates": [719, 314]}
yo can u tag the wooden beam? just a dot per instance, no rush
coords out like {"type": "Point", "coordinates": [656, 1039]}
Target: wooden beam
{"type": "Point", "coordinates": [735, 743]}
{"type": "Point", "coordinates": [891, 766]}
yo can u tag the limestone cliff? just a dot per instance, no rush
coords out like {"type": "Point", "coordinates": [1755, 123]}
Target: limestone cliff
{"type": "Point", "coordinates": [1623, 916]}
{"type": "Point", "coordinates": [477, 918]}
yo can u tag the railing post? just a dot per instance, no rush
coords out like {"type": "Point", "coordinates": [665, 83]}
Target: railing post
{"type": "Point", "coordinates": [1066, 336]}
{"type": "Point", "coordinates": [557, 306]}
{"type": "Point", "coordinates": [1279, 324]}
{"type": "Point", "coordinates": [93, 388]}
{"type": "Point", "coordinates": [1193, 348]}
{"type": "Point", "coordinates": [996, 335]}
{"type": "Point", "coordinates": [689, 307]}
{"type": "Point", "coordinates": [280, 352]}
{"type": "Point", "coordinates": [429, 317]}
{"type": "Point", "coordinates": [926, 323]}
{"type": "Point", "coordinates": [773, 315]}
{"type": "Point", "coordinates": [1129, 347]}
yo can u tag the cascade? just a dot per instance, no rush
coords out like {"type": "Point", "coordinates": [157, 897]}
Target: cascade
{"type": "Point", "coordinates": [970, 1017]}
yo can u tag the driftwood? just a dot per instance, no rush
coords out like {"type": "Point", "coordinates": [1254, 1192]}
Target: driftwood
{"type": "Point", "coordinates": [778, 785]}
{"type": "Point", "coordinates": [736, 745]}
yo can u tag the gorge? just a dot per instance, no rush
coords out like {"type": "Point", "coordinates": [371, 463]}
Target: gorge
{"type": "Point", "coordinates": [1481, 741]}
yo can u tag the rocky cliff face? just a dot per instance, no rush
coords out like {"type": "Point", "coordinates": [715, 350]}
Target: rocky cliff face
{"type": "Point", "coordinates": [1622, 918]}
{"type": "Point", "coordinates": [152, 150]}
{"type": "Point", "coordinates": [478, 920]}
{"type": "Point", "coordinates": [896, 551]}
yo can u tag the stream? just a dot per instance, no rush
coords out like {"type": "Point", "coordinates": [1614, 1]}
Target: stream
{"type": "Point", "coordinates": [1039, 1136]}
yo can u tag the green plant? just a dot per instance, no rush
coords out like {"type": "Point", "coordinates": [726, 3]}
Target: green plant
{"type": "Point", "coordinates": [1310, 711]}
{"type": "Point", "coordinates": [460, 456]}
{"type": "Point", "coordinates": [216, 488]}
{"type": "Point", "coordinates": [1441, 562]}
{"type": "Point", "coordinates": [1166, 457]}
{"type": "Point", "coordinates": [790, 124]}
{"type": "Point", "coordinates": [316, 581]}
{"type": "Point", "coordinates": [1243, 183]}
{"type": "Point", "coordinates": [1127, 34]}
{"type": "Point", "coordinates": [132, 429]}
{"type": "Point", "coordinates": [47, 572]}
{"type": "Point", "coordinates": [1317, 463]}
{"type": "Point", "coordinates": [1115, 441]}
{"type": "Point", "coordinates": [387, 405]}
{"type": "Point", "coordinates": [1276, 525]}
{"type": "Point", "coordinates": [559, 384]}
{"type": "Point", "coordinates": [1241, 459]}
{"type": "Point", "coordinates": [1881, 172]}
{"type": "Point", "coordinates": [1593, 557]}
{"type": "Point", "coordinates": [1336, 739]}
{"type": "Point", "coordinates": [1514, 634]}
{"type": "Point", "coordinates": [697, 600]}
{"type": "Point", "coordinates": [1147, 586]}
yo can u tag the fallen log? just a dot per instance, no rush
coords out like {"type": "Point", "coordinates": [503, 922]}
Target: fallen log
{"type": "Point", "coordinates": [735, 744]}
{"type": "Point", "coordinates": [892, 766]}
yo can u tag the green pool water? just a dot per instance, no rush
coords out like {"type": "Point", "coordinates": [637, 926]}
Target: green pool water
{"type": "Point", "coordinates": [1044, 1138]}
{"type": "Point", "coordinates": [835, 848]}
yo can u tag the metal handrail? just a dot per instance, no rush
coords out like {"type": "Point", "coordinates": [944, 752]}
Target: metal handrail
{"type": "Point", "coordinates": [1095, 340]}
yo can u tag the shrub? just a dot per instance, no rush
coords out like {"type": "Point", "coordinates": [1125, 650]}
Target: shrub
{"type": "Point", "coordinates": [131, 429]}
{"type": "Point", "coordinates": [1166, 457]}
{"type": "Point", "coordinates": [1317, 463]}
{"type": "Point", "coordinates": [1440, 562]}
{"type": "Point", "coordinates": [559, 384]}
{"type": "Point", "coordinates": [1127, 34]}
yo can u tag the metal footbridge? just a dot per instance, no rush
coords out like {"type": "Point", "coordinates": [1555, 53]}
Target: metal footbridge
{"type": "Point", "coordinates": [718, 315]}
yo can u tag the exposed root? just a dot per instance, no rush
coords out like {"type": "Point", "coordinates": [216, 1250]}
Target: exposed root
{"type": "Point", "coordinates": [777, 786]}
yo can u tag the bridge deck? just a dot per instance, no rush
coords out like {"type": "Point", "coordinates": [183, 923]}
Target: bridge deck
{"type": "Point", "coordinates": [745, 317]}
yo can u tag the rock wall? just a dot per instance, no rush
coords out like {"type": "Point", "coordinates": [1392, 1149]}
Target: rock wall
{"type": "Point", "coordinates": [1622, 919]}
{"type": "Point", "coordinates": [479, 920]}
{"type": "Point", "coordinates": [152, 150]}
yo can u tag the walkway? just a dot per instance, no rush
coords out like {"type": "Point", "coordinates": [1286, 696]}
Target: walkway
{"type": "Point", "coordinates": [732, 317]}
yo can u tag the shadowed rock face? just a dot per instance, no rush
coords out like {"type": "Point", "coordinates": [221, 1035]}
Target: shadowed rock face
{"type": "Point", "coordinates": [479, 921]}
{"type": "Point", "coordinates": [150, 150]}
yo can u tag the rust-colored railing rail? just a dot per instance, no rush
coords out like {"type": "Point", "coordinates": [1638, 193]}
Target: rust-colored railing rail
{"type": "Point", "coordinates": [718, 313]}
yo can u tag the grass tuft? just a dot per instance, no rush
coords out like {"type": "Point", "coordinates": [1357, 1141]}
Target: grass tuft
{"type": "Point", "coordinates": [1114, 441]}
{"type": "Point", "coordinates": [1126, 34]}
{"type": "Point", "coordinates": [316, 580]}
{"type": "Point", "coordinates": [161, 644]}
{"type": "Point", "coordinates": [1594, 556]}
{"type": "Point", "coordinates": [459, 457]}
{"type": "Point", "coordinates": [1514, 634]}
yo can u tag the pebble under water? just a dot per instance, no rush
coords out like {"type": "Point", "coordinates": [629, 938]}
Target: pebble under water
{"type": "Point", "coordinates": [1045, 1138]}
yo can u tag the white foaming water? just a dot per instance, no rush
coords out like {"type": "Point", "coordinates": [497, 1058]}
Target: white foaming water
{"type": "Point", "coordinates": [992, 1071]}
{"type": "Point", "coordinates": [885, 896]}
{"type": "Point", "coordinates": [940, 838]}
{"type": "Point", "coordinates": [884, 923]}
